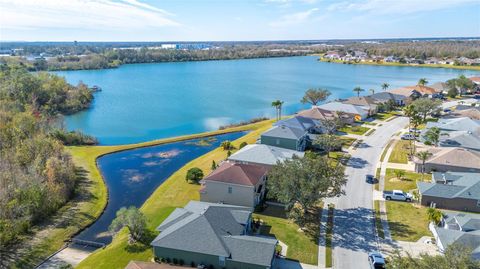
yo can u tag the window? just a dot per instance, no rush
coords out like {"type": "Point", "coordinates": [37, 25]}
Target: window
{"type": "Point", "coordinates": [478, 203]}
{"type": "Point", "coordinates": [221, 261]}
{"type": "Point", "coordinates": [277, 142]}
{"type": "Point", "coordinates": [230, 189]}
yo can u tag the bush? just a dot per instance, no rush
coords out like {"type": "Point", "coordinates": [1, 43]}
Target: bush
{"type": "Point", "coordinates": [73, 138]}
{"type": "Point", "coordinates": [192, 264]}
{"type": "Point", "coordinates": [181, 262]}
{"type": "Point", "coordinates": [175, 261]}
{"type": "Point", "coordinates": [194, 174]}
{"type": "Point", "coordinates": [243, 144]}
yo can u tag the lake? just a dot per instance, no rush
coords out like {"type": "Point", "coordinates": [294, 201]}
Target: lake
{"type": "Point", "coordinates": [131, 176]}
{"type": "Point", "coordinates": [141, 102]}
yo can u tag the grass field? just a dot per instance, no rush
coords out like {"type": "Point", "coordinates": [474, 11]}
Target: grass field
{"type": "Point", "coordinates": [384, 152]}
{"type": "Point", "coordinates": [384, 115]}
{"type": "Point", "coordinates": [407, 183]}
{"type": "Point", "coordinates": [302, 245]}
{"type": "Point", "coordinates": [378, 220]}
{"type": "Point", "coordinates": [406, 221]}
{"type": "Point", "coordinates": [400, 152]}
{"type": "Point", "coordinates": [357, 130]}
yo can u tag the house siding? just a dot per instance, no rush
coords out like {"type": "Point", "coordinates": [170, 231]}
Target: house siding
{"type": "Point", "coordinates": [199, 258]}
{"type": "Point", "coordinates": [282, 142]}
{"type": "Point", "coordinates": [429, 167]}
{"type": "Point", "coordinates": [459, 204]}
{"type": "Point", "coordinates": [217, 192]}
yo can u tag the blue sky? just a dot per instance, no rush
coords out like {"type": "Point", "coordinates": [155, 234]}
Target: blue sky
{"type": "Point", "coordinates": [142, 20]}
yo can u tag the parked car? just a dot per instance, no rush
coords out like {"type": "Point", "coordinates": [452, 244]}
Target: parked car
{"type": "Point", "coordinates": [414, 130]}
{"type": "Point", "coordinates": [408, 137]}
{"type": "Point", "coordinates": [376, 261]}
{"type": "Point", "coordinates": [397, 195]}
{"type": "Point", "coordinates": [371, 179]}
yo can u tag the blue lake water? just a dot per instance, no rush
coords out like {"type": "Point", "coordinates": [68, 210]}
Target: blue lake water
{"type": "Point", "coordinates": [131, 176]}
{"type": "Point", "coordinates": [141, 102]}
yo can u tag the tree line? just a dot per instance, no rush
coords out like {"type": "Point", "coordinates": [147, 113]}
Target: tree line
{"type": "Point", "coordinates": [37, 175]}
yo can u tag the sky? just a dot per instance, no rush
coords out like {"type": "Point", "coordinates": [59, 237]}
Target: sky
{"type": "Point", "coordinates": [235, 20]}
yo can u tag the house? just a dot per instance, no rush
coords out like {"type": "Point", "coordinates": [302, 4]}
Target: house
{"type": "Point", "coordinates": [472, 113]}
{"type": "Point", "coordinates": [214, 235]}
{"type": "Point", "coordinates": [384, 97]}
{"type": "Point", "coordinates": [458, 228]}
{"type": "Point", "coordinates": [299, 122]}
{"type": "Point", "coordinates": [413, 92]}
{"type": "Point", "coordinates": [452, 190]}
{"type": "Point", "coordinates": [440, 87]}
{"type": "Point", "coordinates": [332, 55]}
{"type": "Point", "coordinates": [450, 159]}
{"type": "Point", "coordinates": [317, 113]}
{"type": "Point", "coordinates": [363, 101]}
{"type": "Point", "coordinates": [151, 265]}
{"type": "Point", "coordinates": [455, 124]}
{"type": "Point", "coordinates": [235, 183]}
{"type": "Point", "coordinates": [475, 80]}
{"type": "Point", "coordinates": [357, 112]}
{"type": "Point", "coordinates": [391, 59]}
{"type": "Point", "coordinates": [265, 155]}
{"type": "Point", "coordinates": [462, 139]}
{"type": "Point", "coordinates": [285, 137]}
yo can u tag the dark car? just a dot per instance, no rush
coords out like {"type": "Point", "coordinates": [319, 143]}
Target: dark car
{"type": "Point", "coordinates": [371, 179]}
{"type": "Point", "coordinates": [376, 261]}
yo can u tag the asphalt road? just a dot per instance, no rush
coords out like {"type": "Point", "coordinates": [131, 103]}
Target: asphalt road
{"type": "Point", "coordinates": [354, 235]}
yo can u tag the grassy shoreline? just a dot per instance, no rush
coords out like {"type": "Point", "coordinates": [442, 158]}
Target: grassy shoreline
{"type": "Point", "coordinates": [462, 67]}
{"type": "Point", "coordinates": [91, 196]}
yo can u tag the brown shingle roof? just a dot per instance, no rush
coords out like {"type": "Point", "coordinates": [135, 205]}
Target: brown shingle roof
{"type": "Point", "coordinates": [407, 91]}
{"type": "Point", "coordinates": [236, 173]}
{"type": "Point", "coordinates": [459, 157]}
{"type": "Point", "coordinates": [320, 114]}
{"type": "Point", "coordinates": [360, 101]}
{"type": "Point", "coordinates": [475, 79]}
{"type": "Point", "coordinates": [150, 265]}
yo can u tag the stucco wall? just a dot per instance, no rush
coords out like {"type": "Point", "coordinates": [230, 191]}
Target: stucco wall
{"type": "Point", "coordinates": [217, 192]}
{"type": "Point", "coordinates": [279, 142]}
{"type": "Point", "coordinates": [459, 204]}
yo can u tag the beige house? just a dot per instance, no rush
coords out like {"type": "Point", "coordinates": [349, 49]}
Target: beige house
{"type": "Point", "coordinates": [452, 159]}
{"type": "Point", "coordinates": [363, 101]}
{"type": "Point", "coordinates": [317, 113]}
{"type": "Point", "coordinates": [236, 184]}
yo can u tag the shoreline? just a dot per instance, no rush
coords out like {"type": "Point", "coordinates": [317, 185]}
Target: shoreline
{"type": "Point", "coordinates": [446, 66]}
{"type": "Point", "coordinates": [87, 211]}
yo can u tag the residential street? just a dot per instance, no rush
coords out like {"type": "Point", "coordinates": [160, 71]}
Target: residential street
{"type": "Point", "coordinates": [354, 235]}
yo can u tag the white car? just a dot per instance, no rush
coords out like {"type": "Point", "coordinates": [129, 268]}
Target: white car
{"type": "Point", "coordinates": [408, 137]}
{"type": "Point", "coordinates": [397, 195]}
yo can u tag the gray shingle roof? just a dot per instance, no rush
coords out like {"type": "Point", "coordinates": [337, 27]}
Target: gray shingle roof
{"type": "Point", "coordinates": [263, 154]}
{"type": "Point", "coordinates": [285, 132]}
{"type": "Point", "coordinates": [299, 122]}
{"type": "Point", "coordinates": [464, 139]}
{"type": "Point", "coordinates": [385, 96]}
{"type": "Point", "coordinates": [467, 187]}
{"type": "Point", "coordinates": [346, 108]}
{"type": "Point", "coordinates": [214, 229]}
{"type": "Point", "coordinates": [456, 124]}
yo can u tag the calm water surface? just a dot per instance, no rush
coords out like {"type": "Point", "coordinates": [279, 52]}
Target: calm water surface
{"type": "Point", "coordinates": [131, 176]}
{"type": "Point", "coordinates": [142, 102]}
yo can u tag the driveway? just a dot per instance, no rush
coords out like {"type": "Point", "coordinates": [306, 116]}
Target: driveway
{"type": "Point", "coordinates": [354, 234]}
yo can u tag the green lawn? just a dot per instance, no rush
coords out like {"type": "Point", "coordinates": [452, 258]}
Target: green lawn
{"type": "Point", "coordinates": [174, 192]}
{"type": "Point", "coordinates": [302, 245]}
{"type": "Point", "coordinates": [357, 130]}
{"type": "Point", "coordinates": [377, 176]}
{"type": "Point", "coordinates": [400, 152]}
{"type": "Point", "coordinates": [347, 141]}
{"type": "Point", "coordinates": [378, 220]}
{"type": "Point", "coordinates": [384, 115]}
{"type": "Point", "coordinates": [407, 183]}
{"type": "Point", "coordinates": [406, 221]}
{"type": "Point", "coordinates": [384, 152]}
{"type": "Point", "coordinates": [329, 237]}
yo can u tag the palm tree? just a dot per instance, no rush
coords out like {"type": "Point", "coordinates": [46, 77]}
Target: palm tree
{"type": "Point", "coordinates": [278, 107]}
{"type": "Point", "coordinates": [385, 86]}
{"type": "Point", "coordinates": [434, 215]}
{"type": "Point", "coordinates": [372, 91]}
{"type": "Point", "coordinates": [358, 90]}
{"type": "Point", "coordinates": [423, 156]}
{"type": "Point", "coordinates": [422, 82]}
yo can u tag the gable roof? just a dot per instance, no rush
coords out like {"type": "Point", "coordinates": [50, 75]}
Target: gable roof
{"type": "Point", "coordinates": [264, 154]}
{"type": "Point", "coordinates": [472, 113]}
{"type": "Point", "coordinates": [455, 124]}
{"type": "Point", "coordinates": [408, 91]}
{"type": "Point", "coordinates": [346, 108]}
{"type": "Point", "coordinates": [215, 229]}
{"type": "Point", "coordinates": [458, 157]}
{"type": "Point", "coordinates": [361, 101]}
{"type": "Point", "coordinates": [299, 122]}
{"type": "Point", "coordinates": [237, 173]}
{"type": "Point", "coordinates": [451, 177]}
{"type": "Point", "coordinates": [461, 228]}
{"type": "Point", "coordinates": [439, 87]}
{"type": "Point", "coordinates": [463, 139]}
{"type": "Point", "coordinates": [317, 113]}
{"type": "Point", "coordinates": [385, 96]}
{"type": "Point", "coordinates": [285, 132]}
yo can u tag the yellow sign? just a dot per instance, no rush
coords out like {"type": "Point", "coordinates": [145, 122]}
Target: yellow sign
{"type": "Point", "coordinates": [358, 117]}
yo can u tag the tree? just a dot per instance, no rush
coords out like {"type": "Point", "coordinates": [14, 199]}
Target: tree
{"type": "Point", "coordinates": [423, 156]}
{"type": "Point", "coordinates": [304, 182]}
{"type": "Point", "coordinates": [131, 218]}
{"type": "Point", "coordinates": [243, 144]}
{"type": "Point", "coordinates": [456, 256]}
{"type": "Point", "coordinates": [227, 145]}
{"type": "Point", "coordinates": [425, 106]}
{"type": "Point", "coordinates": [459, 85]}
{"type": "Point", "coordinates": [358, 90]}
{"type": "Point", "coordinates": [432, 136]}
{"type": "Point", "coordinates": [399, 173]}
{"type": "Point", "coordinates": [278, 108]}
{"type": "Point", "coordinates": [422, 82]}
{"type": "Point", "coordinates": [315, 96]}
{"type": "Point", "coordinates": [385, 86]}
{"type": "Point", "coordinates": [434, 215]}
{"type": "Point", "coordinates": [414, 120]}
{"type": "Point", "coordinates": [214, 165]}
{"type": "Point", "coordinates": [194, 174]}
{"type": "Point", "coordinates": [330, 126]}
{"type": "Point", "coordinates": [328, 143]}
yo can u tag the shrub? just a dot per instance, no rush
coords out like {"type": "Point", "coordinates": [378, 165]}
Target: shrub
{"type": "Point", "coordinates": [243, 144]}
{"type": "Point", "coordinates": [175, 261]}
{"type": "Point", "coordinates": [194, 174]}
{"type": "Point", "coordinates": [181, 262]}
{"type": "Point", "coordinates": [192, 264]}
{"type": "Point", "coordinates": [73, 138]}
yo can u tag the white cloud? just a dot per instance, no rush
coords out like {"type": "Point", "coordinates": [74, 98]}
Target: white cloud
{"type": "Point", "coordinates": [396, 7]}
{"type": "Point", "coordinates": [294, 18]}
{"type": "Point", "coordinates": [81, 14]}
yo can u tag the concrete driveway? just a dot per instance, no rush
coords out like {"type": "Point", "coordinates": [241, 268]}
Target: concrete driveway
{"type": "Point", "coordinates": [354, 233]}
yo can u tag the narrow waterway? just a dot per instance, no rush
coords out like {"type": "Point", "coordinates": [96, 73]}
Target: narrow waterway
{"type": "Point", "coordinates": [131, 176]}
